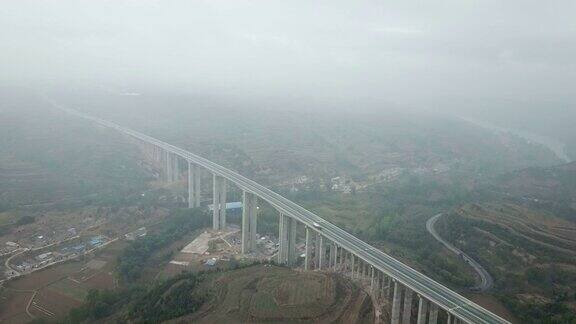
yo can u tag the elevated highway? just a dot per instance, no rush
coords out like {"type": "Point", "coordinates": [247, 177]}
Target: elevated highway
{"type": "Point", "coordinates": [388, 277]}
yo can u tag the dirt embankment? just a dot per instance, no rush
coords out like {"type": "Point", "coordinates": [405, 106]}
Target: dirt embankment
{"type": "Point", "coordinates": [275, 294]}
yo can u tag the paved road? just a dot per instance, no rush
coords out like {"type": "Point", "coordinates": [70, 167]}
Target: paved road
{"type": "Point", "coordinates": [442, 296]}
{"type": "Point", "coordinates": [486, 281]}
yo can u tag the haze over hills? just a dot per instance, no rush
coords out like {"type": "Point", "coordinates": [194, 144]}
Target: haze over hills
{"type": "Point", "coordinates": [328, 161]}
{"type": "Point", "coordinates": [358, 148]}
{"type": "Point", "coordinates": [551, 125]}
{"type": "Point", "coordinates": [379, 175]}
{"type": "Point", "coordinates": [359, 142]}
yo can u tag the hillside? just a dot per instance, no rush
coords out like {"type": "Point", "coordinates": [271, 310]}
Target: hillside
{"type": "Point", "coordinates": [552, 189]}
{"type": "Point", "coordinates": [277, 143]}
{"type": "Point", "coordinates": [530, 254]}
{"type": "Point", "coordinates": [253, 293]}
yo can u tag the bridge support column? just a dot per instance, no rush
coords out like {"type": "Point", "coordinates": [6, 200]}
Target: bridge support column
{"type": "Point", "coordinates": [390, 288]}
{"type": "Point", "coordinates": [156, 155]}
{"type": "Point", "coordinates": [352, 265]}
{"type": "Point", "coordinates": [282, 238]}
{"type": "Point", "coordinates": [407, 313]}
{"type": "Point", "coordinates": [331, 256]}
{"type": "Point", "coordinates": [379, 285]}
{"type": "Point", "coordinates": [292, 241]}
{"type": "Point", "coordinates": [169, 170]}
{"type": "Point", "coordinates": [193, 185]}
{"type": "Point", "coordinates": [219, 203]}
{"type": "Point", "coordinates": [422, 310]}
{"type": "Point", "coordinates": [433, 318]}
{"type": "Point", "coordinates": [308, 249]}
{"type": "Point", "coordinates": [322, 252]}
{"type": "Point", "coordinates": [317, 250]}
{"type": "Point", "coordinates": [249, 222]}
{"type": "Point", "coordinates": [372, 279]}
{"type": "Point", "coordinates": [384, 287]}
{"type": "Point", "coordinates": [175, 168]}
{"type": "Point", "coordinates": [395, 314]}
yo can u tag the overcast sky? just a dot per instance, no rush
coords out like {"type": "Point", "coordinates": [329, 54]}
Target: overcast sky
{"type": "Point", "coordinates": [418, 53]}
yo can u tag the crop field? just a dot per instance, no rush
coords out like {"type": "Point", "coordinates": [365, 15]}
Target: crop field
{"type": "Point", "coordinates": [70, 288]}
{"type": "Point", "coordinates": [38, 295]}
{"type": "Point", "coordinates": [13, 306]}
{"type": "Point", "coordinates": [51, 293]}
{"type": "Point", "coordinates": [270, 293]}
{"type": "Point", "coordinates": [51, 304]}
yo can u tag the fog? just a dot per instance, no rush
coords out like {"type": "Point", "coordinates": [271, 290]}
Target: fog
{"type": "Point", "coordinates": [435, 55]}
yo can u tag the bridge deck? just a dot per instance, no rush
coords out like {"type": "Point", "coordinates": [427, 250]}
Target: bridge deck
{"type": "Point", "coordinates": [440, 295]}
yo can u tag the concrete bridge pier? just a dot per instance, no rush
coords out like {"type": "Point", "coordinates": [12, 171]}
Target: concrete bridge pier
{"type": "Point", "coordinates": [407, 311]}
{"type": "Point", "coordinates": [282, 238]}
{"type": "Point", "coordinates": [317, 250]}
{"type": "Point", "coordinates": [342, 259]}
{"type": "Point", "coordinates": [156, 154]}
{"type": "Point", "coordinates": [385, 292]}
{"type": "Point", "coordinates": [219, 203]}
{"type": "Point", "coordinates": [330, 250]}
{"type": "Point", "coordinates": [193, 185]}
{"type": "Point", "coordinates": [308, 251]}
{"type": "Point", "coordinates": [249, 221]}
{"type": "Point", "coordinates": [175, 167]}
{"type": "Point", "coordinates": [321, 252]}
{"type": "Point", "coordinates": [292, 228]}
{"type": "Point", "coordinates": [352, 265]}
{"type": "Point", "coordinates": [372, 282]}
{"type": "Point", "coordinates": [287, 240]}
{"type": "Point", "coordinates": [395, 313]}
{"type": "Point", "coordinates": [168, 166]}
{"type": "Point", "coordinates": [433, 318]}
{"type": "Point", "coordinates": [422, 310]}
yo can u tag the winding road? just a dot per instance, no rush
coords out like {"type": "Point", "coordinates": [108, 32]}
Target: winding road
{"type": "Point", "coordinates": [486, 281]}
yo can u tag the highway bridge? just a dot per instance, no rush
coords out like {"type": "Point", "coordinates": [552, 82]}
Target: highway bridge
{"type": "Point", "coordinates": [412, 296]}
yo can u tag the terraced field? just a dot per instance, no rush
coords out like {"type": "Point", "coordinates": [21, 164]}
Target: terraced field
{"type": "Point", "coordinates": [268, 293]}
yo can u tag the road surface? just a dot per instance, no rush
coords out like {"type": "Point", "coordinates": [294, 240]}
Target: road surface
{"type": "Point", "coordinates": [486, 281]}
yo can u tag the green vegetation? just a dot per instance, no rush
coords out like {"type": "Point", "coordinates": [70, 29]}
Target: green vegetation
{"type": "Point", "coordinates": [554, 312]}
{"type": "Point", "coordinates": [137, 254]}
{"type": "Point", "coordinates": [169, 299]}
{"type": "Point", "coordinates": [102, 303]}
{"type": "Point", "coordinates": [25, 220]}
{"type": "Point", "coordinates": [248, 292]}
